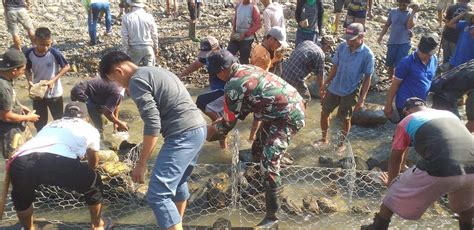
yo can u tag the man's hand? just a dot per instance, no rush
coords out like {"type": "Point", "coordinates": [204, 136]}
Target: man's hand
{"type": "Point", "coordinates": [121, 126]}
{"type": "Point", "coordinates": [193, 4]}
{"type": "Point", "coordinates": [138, 173]}
{"type": "Point", "coordinates": [359, 105]}
{"type": "Point", "coordinates": [32, 116]}
{"type": "Point", "coordinates": [242, 36]}
{"type": "Point", "coordinates": [388, 111]}
{"type": "Point", "coordinates": [304, 23]}
{"type": "Point", "coordinates": [415, 7]}
{"type": "Point", "coordinates": [384, 178]}
{"type": "Point", "coordinates": [50, 84]}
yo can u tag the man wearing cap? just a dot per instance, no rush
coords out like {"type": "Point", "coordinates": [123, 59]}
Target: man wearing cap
{"type": "Point", "coordinates": [53, 157]}
{"type": "Point", "coordinates": [275, 103]}
{"type": "Point", "coordinates": [465, 46]}
{"type": "Point", "coordinates": [210, 103]}
{"type": "Point", "coordinates": [307, 57]}
{"type": "Point", "coordinates": [413, 75]}
{"type": "Point", "coordinates": [451, 86]}
{"type": "Point", "coordinates": [165, 107]}
{"type": "Point", "coordinates": [13, 115]}
{"type": "Point", "coordinates": [101, 97]}
{"type": "Point", "coordinates": [446, 166]}
{"type": "Point", "coordinates": [353, 63]}
{"type": "Point", "coordinates": [268, 53]}
{"type": "Point", "coordinates": [140, 34]}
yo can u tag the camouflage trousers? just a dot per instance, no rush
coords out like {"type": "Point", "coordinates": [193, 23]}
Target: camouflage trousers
{"type": "Point", "coordinates": [272, 140]}
{"type": "Point", "coordinates": [13, 139]}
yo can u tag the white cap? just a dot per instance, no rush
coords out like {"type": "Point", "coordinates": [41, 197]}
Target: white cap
{"type": "Point", "coordinates": [278, 33]}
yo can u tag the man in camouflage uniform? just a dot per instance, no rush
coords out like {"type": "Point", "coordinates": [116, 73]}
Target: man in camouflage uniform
{"type": "Point", "coordinates": [274, 102]}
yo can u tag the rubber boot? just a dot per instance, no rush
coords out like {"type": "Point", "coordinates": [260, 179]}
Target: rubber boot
{"type": "Point", "coordinates": [272, 204]}
{"type": "Point", "coordinates": [378, 224]}
{"type": "Point", "coordinates": [192, 31]}
{"type": "Point", "coordinates": [465, 226]}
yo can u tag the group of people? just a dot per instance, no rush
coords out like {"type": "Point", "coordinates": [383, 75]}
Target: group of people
{"type": "Point", "coordinates": [260, 81]}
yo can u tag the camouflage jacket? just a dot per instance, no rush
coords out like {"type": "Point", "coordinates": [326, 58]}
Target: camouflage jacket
{"type": "Point", "coordinates": [270, 98]}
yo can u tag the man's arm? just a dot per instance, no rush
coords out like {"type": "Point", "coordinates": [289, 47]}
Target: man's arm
{"type": "Point", "coordinates": [369, 10]}
{"type": "Point", "coordinates": [267, 23]}
{"type": "Point", "coordinates": [256, 24]}
{"type": "Point", "coordinates": [331, 74]}
{"type": "Point", "coordinates": [320, 16]}
{"type": "Point", "coordinates": [121, 126]}
{"type": "Point", "coordinates": [390, 95]}
{"type": "Point", "coordinates": [138, 173]}
{"type": "Point", "coordinates": [299, 7]}
{"type": "Point", "coordinates": [124, 32]}
{"type": "Point", "coordinates": [60, 74]}
{"type": "Point", "coordinates": [453, 23]}
{"type": "Point", "coordinates": [395, 164]}
{"type": "Point", "coordinates": [363, 92]}
{"type": "Point", "coordinates": [11, 117]}
{"type": "Point", "coordinates": [191, 68]}
{"type": "Point", "coordinates": [92, 158]}
{"type": "Point", "coordinates": [384, 29]}
{"type": "Point", "coordinates": [412, 18]}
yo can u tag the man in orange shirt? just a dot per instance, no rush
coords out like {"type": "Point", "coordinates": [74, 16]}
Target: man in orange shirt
{"type": "Point", "coordinates": [268, 53]}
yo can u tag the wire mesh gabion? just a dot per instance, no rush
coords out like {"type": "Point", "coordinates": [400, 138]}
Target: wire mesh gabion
{"type": "Point", "coordinates": [224, 195]}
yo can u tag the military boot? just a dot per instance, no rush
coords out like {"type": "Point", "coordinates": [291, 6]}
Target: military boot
{"type": "Point", "coordinates": [272, 204]}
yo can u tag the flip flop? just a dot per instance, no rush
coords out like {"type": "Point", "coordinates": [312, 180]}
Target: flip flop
{"type": "Point", "coordinates": [108, 224]}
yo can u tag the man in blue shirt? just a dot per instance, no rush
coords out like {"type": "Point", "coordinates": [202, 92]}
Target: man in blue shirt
{"type": "Point", "coordinates": [413, 75]}
{"type": "Point", "coordinates": [465, 46]}
{"type": "Point", "coordinates": [353, 64]}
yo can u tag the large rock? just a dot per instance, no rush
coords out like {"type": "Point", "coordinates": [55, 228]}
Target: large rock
{"type": "Point", "coordinates": [326, 205]}
{"type": "Point", "coordinates": [218, 193]}
{"type": "Point", "coordinates": [369, 116]}
{"type": "Point", "coordinates": [310, 205]}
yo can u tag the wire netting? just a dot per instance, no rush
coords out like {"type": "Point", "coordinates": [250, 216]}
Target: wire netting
{"type": "Point", "coordinates": [224, 195]}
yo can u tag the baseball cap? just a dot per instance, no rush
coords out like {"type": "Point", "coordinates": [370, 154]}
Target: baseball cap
{"type": "Point", "coordinates": [207, 45]}
{"type": "Point", "coordinates": [353, 31]}
{"type": "Point", "coordinates": [413, 102]}
{"type": "Point", "coordinates": [428, 44]}
{"type": "Point", "coordinates": [136, 3]}
{"type": "Point", "coordinates": [219, 61]}
{"type": "Point", "coordinates": [278, 33]}
{"type": "Point", "coordinates": [76, 109]}
{"type": "Point", "coordinates": [12, 59]}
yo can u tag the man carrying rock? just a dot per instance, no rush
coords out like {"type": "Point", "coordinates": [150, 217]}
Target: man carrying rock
{"type": "Point", "coordinates": [347, 83]}
{"type": "Point", "coordinates": [441, 8]}
{"type": "Point", "coordinates": [13, 115]}
{"type": "Point", "coordinates": [413, 75]}
{"type": "Point", "coordinates": [165, 107]}
{"type": "Point", "coordinates": [402, 20]}
{"type": "Point", "coordinates": [447, 166]}
{"type": "Point", "coordinates": [309, 16]}
{"type": "Point", "coordinates": [212, 102]}
{"type": "Point", "coordinates": [274, 102]}
{"type": "Point", "coordinates": [245, 24]}
{"type": "Point", "coordinates": [140, 34]}
{"type": "Point", "coordinates": [52, 157]}
{"type": "Point", "coordinates": [451, 86]}
{"type": "Point", "coordinates": [101, 97]}
{"type": "Point", "coordinates": [269, 52]}
{"type": "Point", "coordinates": [307, 57]}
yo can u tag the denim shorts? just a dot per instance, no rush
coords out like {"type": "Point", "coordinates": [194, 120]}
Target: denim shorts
{"type": "Point", "coordinates": [168, 180]}
{"type": "Point", "coordinates": [395, 53]}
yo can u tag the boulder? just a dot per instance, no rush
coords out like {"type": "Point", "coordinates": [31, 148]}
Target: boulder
{"type": "Point", "coordinates": [326, 205]}
{"type": "Point", "coordinates": [369, 116]}
{"type": "Point", "coordinates": [218, 193]}
{"type": "Point", "coordinates": [311, 206]}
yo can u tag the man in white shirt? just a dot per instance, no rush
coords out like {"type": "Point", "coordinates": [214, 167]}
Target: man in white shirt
{"type": "Point", "coordinates": [273, 15]}
{"type": "Point", "coordinates": [52, 157]}
{"type": "Point", "coordinates": [140, 34]}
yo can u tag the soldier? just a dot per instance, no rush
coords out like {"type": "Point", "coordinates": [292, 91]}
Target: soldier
{"type": "Point", "coordinates": [274, 102]}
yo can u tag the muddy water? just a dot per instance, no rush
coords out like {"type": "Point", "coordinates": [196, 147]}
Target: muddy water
{"type": "Point", "coordinates": [365, 142]}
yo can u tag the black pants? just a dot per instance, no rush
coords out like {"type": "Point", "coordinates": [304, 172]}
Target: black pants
{"type": "Point", "coordinates": [243, 47]}
{"type": "Point", "coordinates": [35, 169]}
{"type": "Point", "coordinates": [55, 106]}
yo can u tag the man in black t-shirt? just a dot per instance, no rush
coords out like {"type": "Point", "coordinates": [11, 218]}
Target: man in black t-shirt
{"type": "Point", "coordinates": [11, 111]}
{"type": "Point", "coordinates": [450, 36]}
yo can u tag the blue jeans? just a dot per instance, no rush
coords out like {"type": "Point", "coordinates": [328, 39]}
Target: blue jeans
{"type": "Point", "coordinates": [93, 17]}
{"type": "Point", "coordinates": [168, 180]}
{"type": "Point", "coordinates": [305, 35]}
